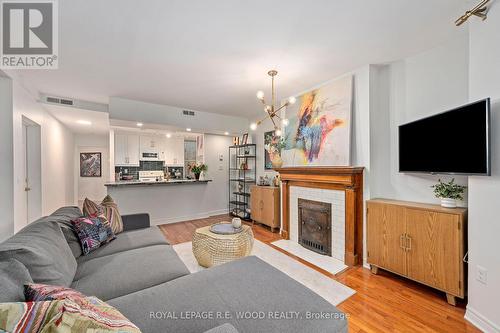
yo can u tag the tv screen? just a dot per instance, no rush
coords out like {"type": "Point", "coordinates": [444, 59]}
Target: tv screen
{"type": "Point", "coordinates": [453, 142]}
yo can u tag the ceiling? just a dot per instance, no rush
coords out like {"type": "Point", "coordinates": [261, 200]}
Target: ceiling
{"type": "Point", "coordinates": [95, 122]}
{"type": "Point", "coordinates": [214, 55]}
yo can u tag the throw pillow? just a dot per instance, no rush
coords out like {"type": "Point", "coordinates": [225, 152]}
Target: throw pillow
{"type": "Point", "coordinates": [92, 232]}
{"type": "Point", "coordinates": [112, 214]}
{"type": "Point", "coordinates": [64, 316]}
{"type": "Point", "coordinates": [92, 209]}
{"type": "Point", "coordinates": [35, 292]}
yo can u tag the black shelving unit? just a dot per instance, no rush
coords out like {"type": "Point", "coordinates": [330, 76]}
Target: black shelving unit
{"type": "Point", "coordinates": [242, 174]}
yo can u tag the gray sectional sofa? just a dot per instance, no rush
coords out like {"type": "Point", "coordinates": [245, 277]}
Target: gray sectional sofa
{"type": "Point", "coordinates": [140, 274]}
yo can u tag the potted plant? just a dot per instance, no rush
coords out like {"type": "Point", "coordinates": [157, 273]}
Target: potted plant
{"type": "Point", "coordinates": [449, 193]}
{"type": "Point", "coordinates": [197, 169]}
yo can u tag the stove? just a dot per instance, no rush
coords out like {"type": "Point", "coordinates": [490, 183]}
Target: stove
{"type": "Point", "coordinates": [151, 176]}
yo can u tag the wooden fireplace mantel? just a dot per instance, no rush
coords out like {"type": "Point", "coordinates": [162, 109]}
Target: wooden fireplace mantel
{"type": "Point", "coordinates": [347, 179]}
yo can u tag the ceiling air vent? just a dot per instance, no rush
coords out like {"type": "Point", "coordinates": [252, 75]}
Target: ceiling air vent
{"type": "Point", "coordinates": [66, 102]}
{"type": "Point", "coordinates": [188, 113]}
{"type": "Point", "coordinates": [53, 100]}
{"type": "Point", "coordinates": [61, 101]}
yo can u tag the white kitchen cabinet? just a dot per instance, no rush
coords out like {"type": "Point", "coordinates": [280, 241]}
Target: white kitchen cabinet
{"type": "Point", "coordinates": [174, 151]}
{"type": "Point", "coordinates": [149, 144]}
{"type": "Point", "coordinates": [126, 149]}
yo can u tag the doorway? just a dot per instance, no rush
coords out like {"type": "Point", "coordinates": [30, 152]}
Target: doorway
{"type": "Point", "coordinates": [32, 166]}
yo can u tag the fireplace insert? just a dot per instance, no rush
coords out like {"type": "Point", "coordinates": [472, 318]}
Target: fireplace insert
{"type": "Point", "coordinates": [315, 224]}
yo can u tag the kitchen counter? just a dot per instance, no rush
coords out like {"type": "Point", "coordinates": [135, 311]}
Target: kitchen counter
{"type": "Point", "coordinates": [163, 182]}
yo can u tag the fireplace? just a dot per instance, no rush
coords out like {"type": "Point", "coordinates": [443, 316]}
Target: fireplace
{"type": "Point", "coordinates": [315, 223]}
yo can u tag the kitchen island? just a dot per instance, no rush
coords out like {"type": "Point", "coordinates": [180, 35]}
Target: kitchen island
{"type": "Point", "coordinates": [166, 201]}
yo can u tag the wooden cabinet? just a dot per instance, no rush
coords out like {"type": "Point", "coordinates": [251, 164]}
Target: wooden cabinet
{"type": "Point", "coordinates": [265, 205]}
{"type": "Point", "coordinates": [422, 242]}
{"type": "Point", "coordinates": [126, 149]}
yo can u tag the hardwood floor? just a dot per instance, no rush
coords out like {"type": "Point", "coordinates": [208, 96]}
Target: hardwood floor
{"type": "Point", "coordinates": [382, 303]}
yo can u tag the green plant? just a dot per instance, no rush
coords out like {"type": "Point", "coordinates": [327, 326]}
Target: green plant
{"type": "Point", "coordinates": [449, 190]}
{"type": "Point", "coordinates": [198, 168]}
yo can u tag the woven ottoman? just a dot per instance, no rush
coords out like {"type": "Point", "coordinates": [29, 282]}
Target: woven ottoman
{"type": "Point", "coordinates": [212, 249]}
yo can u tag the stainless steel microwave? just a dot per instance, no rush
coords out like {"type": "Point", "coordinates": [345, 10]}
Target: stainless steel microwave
{"type": "Point", "coordinates": [150, 157]}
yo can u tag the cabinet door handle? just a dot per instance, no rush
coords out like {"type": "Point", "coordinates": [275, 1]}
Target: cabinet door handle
{"type": "Point", "coordinates": [408, 242]}
{"type": "Point", "coordinates": [401, 245]}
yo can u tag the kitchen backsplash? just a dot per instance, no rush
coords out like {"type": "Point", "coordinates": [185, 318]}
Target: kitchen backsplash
{"type": "Point", "coordinates": [144, 166]}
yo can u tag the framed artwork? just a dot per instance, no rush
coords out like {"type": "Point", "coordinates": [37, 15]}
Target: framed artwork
{"type": "Point", "coordinates": [90, 165]}
{"type": "Point", "coordinates": [244, 139]}
{"type": "Point", "coordinates": [319, 129]}
{"type": "Point", "coordinates": [272, 150]}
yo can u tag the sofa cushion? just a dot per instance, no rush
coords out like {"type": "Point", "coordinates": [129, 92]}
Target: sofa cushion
{"type": "Point", "coordinates": [126, 272]}
{"type": "Point", "coordinates": [248, 285]}
{"type": "Point", "coordinates": [93, 232]}
{"type": "Point", "coordinates": [64, 216]}
{"type": "Point", "coordinates": [42, 248]}
{"type": "Point", "coordinates": [13, 276]}
{"type": "Point", "coordinates": [128, 240]}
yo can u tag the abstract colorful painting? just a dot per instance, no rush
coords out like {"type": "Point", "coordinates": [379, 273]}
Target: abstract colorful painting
{"type": "Point", "coordinates": [90, 165]}
{"type": "Point", "coordinates": [319, 129]}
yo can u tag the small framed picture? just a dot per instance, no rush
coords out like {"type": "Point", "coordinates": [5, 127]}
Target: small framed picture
{"type": "Point", "coordinates": [236, 141]}
{"type": "Point", "coordinates": [244, 139]}
{"type": "Point", "coordinates": [90, 165]}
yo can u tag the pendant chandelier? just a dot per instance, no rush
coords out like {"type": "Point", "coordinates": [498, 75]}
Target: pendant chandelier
{"type": "Point", "coordinates": [272, 110]}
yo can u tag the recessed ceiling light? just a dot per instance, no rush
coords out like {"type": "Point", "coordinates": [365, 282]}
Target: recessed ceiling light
{"type": "Point", "coordinates": [140, 124]}
{"type": "Point", "coordinates": [169, 135]}
{"type": "Point", "coordinates": [188, 129]}
{"type": "Point", "coordinates": [84, 122]}
{"type": "Point", "coordinates": [226, 133]}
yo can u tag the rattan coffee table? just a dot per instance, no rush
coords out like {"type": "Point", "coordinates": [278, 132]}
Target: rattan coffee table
{"type": "Point", "coordinates": [212, 249]}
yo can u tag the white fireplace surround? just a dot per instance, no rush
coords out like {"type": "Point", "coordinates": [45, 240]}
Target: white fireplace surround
{"type": "Point", "coordinates": [337, 199]}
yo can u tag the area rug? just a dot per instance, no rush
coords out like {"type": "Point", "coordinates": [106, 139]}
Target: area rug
{"type": "Point", "coordinates": [327, 263]}
{"type": "Point", "coordinates": [331, 290]}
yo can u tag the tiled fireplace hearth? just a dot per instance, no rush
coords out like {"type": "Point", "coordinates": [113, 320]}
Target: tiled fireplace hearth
{"type": "Point", "coordinates": [341, 188]}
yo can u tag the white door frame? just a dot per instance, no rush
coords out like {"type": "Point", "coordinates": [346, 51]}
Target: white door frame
{"type": "Point", "coordinates": [32, 164]}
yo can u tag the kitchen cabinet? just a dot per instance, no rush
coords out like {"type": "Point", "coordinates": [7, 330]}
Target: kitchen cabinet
{"type": "Point", "coordinates": [173, 149]}
{"type": "Point", "coordinates": [126, 149]}
{"type": "Point", "coordinates": [150, 145]}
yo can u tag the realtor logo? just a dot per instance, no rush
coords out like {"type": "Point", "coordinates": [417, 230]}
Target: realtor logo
{"type": "Point", "coordinates": [29, 34]}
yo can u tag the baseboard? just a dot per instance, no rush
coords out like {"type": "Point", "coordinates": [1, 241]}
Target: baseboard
{"type": "Point", "coordinates": [478, 320]}
{"type": "Point", "coordinates": [188, 217]}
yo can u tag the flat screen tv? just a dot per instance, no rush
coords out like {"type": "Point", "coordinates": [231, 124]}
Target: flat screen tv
{"type": "Point", "coordinates": [452, 142]}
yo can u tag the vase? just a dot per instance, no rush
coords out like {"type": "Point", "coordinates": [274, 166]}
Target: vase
{"type": "Point", "coordinates": [197, 176]}
{"type": "Point", "coordinates": [277, 161]}
{"type": "Point", "coordinates": [236, 222]}
{"type": "Point", "coordinates": [448, 203]}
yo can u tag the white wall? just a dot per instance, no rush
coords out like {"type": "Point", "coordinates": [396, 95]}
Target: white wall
{"type": "Point", "coordinates": [91, 187]}
{"type": "Point", "coordinates": [6, 155]}
{"type": "Point", "coordinates": [202, 122]}
{"type": "Point", "coordinates": [484, 192]}
{"type": "Point", "coordinates": [57, 149]}
{"type": "Point", "coordinates": [406, 90]}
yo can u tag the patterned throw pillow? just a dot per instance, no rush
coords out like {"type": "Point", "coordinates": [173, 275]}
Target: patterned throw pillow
{"type": "Point", "coordinates": [112, 214]}
{"type": "Point", "coordinates": [92, 209]}
{"type": "Point", "coordinates": [35, 292]}
{"type": "Point", "coordinates": [92, 232]}
{"type": "Point", "coordinates": [63, 316]}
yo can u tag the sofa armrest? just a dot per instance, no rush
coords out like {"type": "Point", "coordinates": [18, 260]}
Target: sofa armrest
{"type": "Point", "coordinates": [135, 221]}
